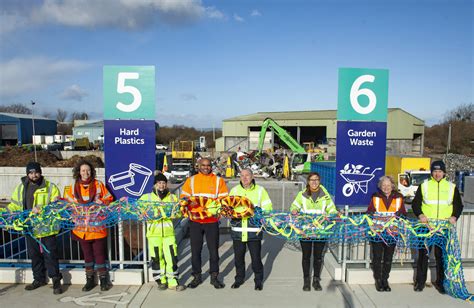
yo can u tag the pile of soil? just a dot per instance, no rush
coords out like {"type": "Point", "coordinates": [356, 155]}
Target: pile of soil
{"type": "Point", "coordinates": [19, 157]}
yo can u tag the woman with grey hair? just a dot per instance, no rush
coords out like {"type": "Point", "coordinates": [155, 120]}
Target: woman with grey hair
{"type": "Point", "coordinates": [385, 203]}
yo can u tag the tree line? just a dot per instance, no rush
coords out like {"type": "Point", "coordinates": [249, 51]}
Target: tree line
{"type": "Point", "coordinates": [461, 120]}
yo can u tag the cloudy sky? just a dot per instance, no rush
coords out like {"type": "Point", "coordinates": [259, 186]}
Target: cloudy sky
{"type": "Point", "coordinates": [219, 59]}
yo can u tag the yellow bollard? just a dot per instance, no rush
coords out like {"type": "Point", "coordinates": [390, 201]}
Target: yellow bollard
{"type": "Point", "coordinates": [229, 170]}
{"type": "Point", "coordinates": [165, 165]}
{"type": "Point", "coordinates": [286, 168]}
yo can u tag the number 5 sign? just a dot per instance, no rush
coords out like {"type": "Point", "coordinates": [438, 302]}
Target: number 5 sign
{"type": "Point", "coordinates": [129, 92]}
{"type": "Point", "coordinates": [363, 94]}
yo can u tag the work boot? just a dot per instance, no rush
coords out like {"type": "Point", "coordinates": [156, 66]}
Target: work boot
{"type": "Point", "coordinates": [379, 285]}
{"type": "Point", "coordinates": [105, 284]}
{"type": "Point", "coordinates": [195, 282]}
{"type": "Point", "coordinates": [439, 287]}
{"type": "Point", "coordinates": [307, 284]}
{"type": "Point", "coordinates": [57, 285]}
{"type": "Point", "coordinates": [258, 286]}
{"type": "Point", "coordinates": [35, 285]}
{"type": "Point", "coordinates": [316, 284]}
{"type": "Point", "coordinates": [215, 281]}
{"type": "Point", "coordinates": [90, 282]}
{"type": "Point", "coordinates": [419, 287]}
{"type": "Point", "coordinates": [162, 285]}
{"type": "Point", "coordinates": [386, 286]}
{"type": "Point", "coordinates": [236, 285]}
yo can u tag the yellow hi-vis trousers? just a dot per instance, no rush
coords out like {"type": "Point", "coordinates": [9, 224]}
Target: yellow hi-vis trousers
{"type": "Point", "coordinates": [164, 259]}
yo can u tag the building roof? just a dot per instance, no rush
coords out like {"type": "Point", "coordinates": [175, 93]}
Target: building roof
{"type": "Point", "coordinates": [91, 125]}
{"type": "Point", "coordinates": [24, 116]}
{"type": "Point", "coordinates": [299, 115]}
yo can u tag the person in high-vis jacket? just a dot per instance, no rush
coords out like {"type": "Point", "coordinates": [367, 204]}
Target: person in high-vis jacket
{"type": "Point", "coordinates": [92, 239]}
{"type": "Point", "coordinates": [245, 233]}
{"type": "Point", "coordinates": [315, 199]}
{"type": "Point", "coordinates": [205, 184]}
{"type": "Point", "coordinates": [386, 203]}
{"type": "Point", "coordinates": [33, 193]}
{"type": "Point", "coordinates": [435, 199]}
{"type": "Point", "coordinates": [161, 238]}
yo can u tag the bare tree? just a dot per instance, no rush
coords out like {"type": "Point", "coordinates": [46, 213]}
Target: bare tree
{"type": "Point", "coordinates": [16, 108]}
{"type": "Point", "coordinates": [61, 115]}
{"type": "Point", "coordinates": [46, 114]}
{"type": "Point", "coordinates": [79, 116]}
{"type": "Point", "coordinates": [464, 113]}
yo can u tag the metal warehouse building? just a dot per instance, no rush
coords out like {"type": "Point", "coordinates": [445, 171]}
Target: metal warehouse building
{"type": "Point", "coordinates": [92, 130]}
{"type": "Point", "coordinates": [405, 132]}
{"type": "Point", "coordinates": [17, 128]}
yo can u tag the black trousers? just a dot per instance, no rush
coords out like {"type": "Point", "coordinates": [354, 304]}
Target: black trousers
{"type": "Point", "coordinates": [318, 249]}
{"type": "Point", "coordinates": [197, 232]}
{"type": "Point", "coordinates": [42, 260]}
{"type": "Point", "coordinates": [255, 248]}
{"type": "Point", "coordinates": [422, 265]}
{"type": "Point", "coordinates": [382, 259]}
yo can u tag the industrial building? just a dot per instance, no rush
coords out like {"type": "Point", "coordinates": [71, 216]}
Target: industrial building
{"type": "Point", "coordinates": [17, 129]}
{"type": "Point", "coordinates": [405, 132]}
{"type": "Point", "coordinates": [94, 130]}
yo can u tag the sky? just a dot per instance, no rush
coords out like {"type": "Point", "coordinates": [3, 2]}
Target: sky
{"type": "Point", "coordinates": [219, 59]}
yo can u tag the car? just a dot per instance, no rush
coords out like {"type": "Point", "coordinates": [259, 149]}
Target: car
{"type": "Point", "coordinates": [161, 147]}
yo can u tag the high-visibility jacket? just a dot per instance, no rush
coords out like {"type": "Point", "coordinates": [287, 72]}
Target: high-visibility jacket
{"type": "Point", "coordinates": [102, 194]}
{"type": "Point", "coordinates": [437, 202]}
{"type": "Point", "coordinates": [244, 229]}
{"type": "Point", "coordinates": [42, 196]}
{"type": "Point", "coordinates": [387, 206]}
{"type": "Point", "coordinates": [303, 203]}
{"type": "Point", "coordinates": [209, 185]}
{"type": "Point", "coordinates": [164, 226]}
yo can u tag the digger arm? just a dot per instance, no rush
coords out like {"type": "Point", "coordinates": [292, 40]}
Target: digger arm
{"type": "Point", "coordinates": [281, 133]}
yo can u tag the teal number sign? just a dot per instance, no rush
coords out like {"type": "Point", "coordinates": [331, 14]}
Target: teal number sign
{"type": "Point", "coordinates": [129, 92]}
{"type": "Point", "coordinates": [363, 94]}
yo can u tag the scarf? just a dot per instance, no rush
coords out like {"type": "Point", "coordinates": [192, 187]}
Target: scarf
{"type": "Point", "coordinates": [92, 190]}
{"type": "Point", "coordinates": [162, 194]}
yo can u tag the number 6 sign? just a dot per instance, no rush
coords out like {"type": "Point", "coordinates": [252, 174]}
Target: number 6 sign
{"type": "Point", "coordinates": [129, 92]}
{"type": "Point", "coordinates": [363, 94]}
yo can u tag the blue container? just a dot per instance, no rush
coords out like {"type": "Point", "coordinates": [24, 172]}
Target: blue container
{"type": "Point", "coordinates": [459, 178]}
{"type": "Point", "coordinates": [327, 170]}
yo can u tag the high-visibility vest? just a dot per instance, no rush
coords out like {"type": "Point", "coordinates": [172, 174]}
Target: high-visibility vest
{"type": "Point", "coordinates": [438, 198]}
{"type": "Point", "coordinates": [41, 197]}
{"type": "Point", "coordinates": [89, 232]}
{"type": "Point", "coordinates": [200, 185]}
{"type": "Point", "coordinates": [164, 226]}
{"type": "Point", "coordinates": [306, 205]}
{"type": "Point", "coordinates": [381, 209]}
{"type": "Point", "coordinates": [244, 229]}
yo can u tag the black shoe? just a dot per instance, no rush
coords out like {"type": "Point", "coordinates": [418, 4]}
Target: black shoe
{"type": "Point", "coordinates": [215, 282]}
{"type": "Point", "coordinates": [57, 285]}
{"type": "Point", "coordinates": [35, 285]}
{"type": "Point", "coordinates": [317, 285]}
{"type": "Point", "coordinates": [90, 283]}
{"type": "Point", "coordinates": [162, 286]}
{"type": "Point", "coordinates": [236, 285]}
{"type": "Point", "coordinates": [419, 287]}
{"type": "Point", "coordinates": [258, 286]}
{"type": "Point", "coordinates": [306, 284]}
{"type": "Point", "coordinates": [386, 286]}
{"type": "Point", "coordinates": [195, 282]}
{"type": "Point", "coordinates": [439, 287]}
{"type": "Point", "coordinates": [105, 284]}
{"type": "Point", "coordinates": [378, 285]}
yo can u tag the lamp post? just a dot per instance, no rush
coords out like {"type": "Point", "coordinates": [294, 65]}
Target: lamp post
{"type": "Point", "coordinates": [34, 133]}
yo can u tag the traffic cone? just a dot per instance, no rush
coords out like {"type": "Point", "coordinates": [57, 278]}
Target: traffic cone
{"type": "Point", "coordinates": [165, 165]}
{"type": "Point", "coordinates": [286, 168]}
{"type": "Point", "coordinates": [229, 171]}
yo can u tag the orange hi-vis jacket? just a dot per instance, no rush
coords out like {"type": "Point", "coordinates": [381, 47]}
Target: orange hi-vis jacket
{"type": "Point", "coordinates": [211, 186]}
{"type": "Point", "coordinates": [102, 194]}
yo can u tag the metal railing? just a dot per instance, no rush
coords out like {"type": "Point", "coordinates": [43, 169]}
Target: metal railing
{"type": "Point", "coordinates": [361, 253]}
{"type": "Point", "coordinates": [126, 247]}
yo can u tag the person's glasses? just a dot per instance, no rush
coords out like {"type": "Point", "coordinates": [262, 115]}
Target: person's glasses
{"type": "Point", "coordinates": [314, 180]}
{"type": "Point", "coordinates": [205, 165]}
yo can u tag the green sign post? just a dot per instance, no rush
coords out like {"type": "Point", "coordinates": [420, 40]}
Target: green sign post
{"type": "Point", "coordinates": [129, 92]}
{"type": "Point", "coordinates": [363, 94]}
